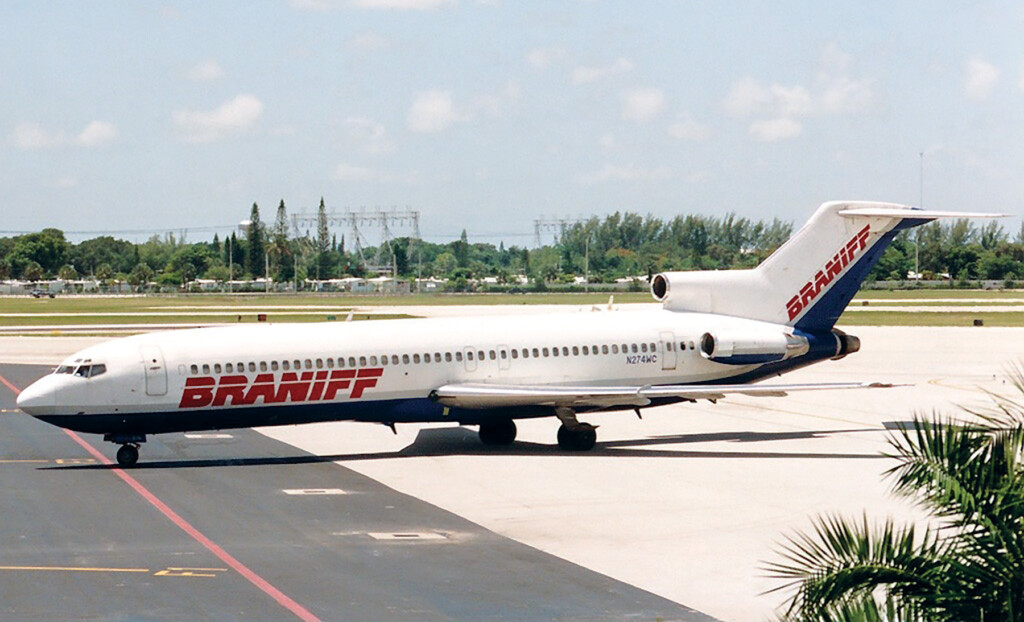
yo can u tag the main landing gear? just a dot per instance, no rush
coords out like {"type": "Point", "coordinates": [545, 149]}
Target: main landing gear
{"type": "Point", "coordinates": [574, 435]}
{"type": "Point", "coordinates": [128, 454]}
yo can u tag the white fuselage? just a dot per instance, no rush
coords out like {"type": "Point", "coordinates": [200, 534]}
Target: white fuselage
{"type": "Point", "coordinates": [375, 370]}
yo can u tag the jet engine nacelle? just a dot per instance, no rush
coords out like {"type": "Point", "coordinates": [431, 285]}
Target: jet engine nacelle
{"type": "Point", "coordinates": [751, 347]}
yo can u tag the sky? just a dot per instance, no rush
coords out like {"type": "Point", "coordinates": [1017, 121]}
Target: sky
{"type": "Point", "coordinates": [487, 114]}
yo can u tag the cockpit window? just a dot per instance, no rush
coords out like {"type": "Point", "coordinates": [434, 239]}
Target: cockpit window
{"type": "Point", "coordinates": [65, 369]}
{"type": "Point", "coordinates": [90, 371]}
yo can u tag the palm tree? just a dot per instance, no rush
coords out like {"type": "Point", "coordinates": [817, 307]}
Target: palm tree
{"type": "Point", "coordinates": [968, 566]}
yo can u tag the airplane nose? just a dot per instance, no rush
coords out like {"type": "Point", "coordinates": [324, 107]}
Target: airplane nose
{"type": "Point", "coordinates": [40, 398]}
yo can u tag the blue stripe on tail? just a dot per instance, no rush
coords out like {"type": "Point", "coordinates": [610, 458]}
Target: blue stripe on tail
{"type": "Point", "coordinates": [825, 311]}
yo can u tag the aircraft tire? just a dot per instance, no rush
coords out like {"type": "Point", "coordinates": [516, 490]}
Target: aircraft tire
{"type": "Point", "coordinates": [502, 432]}
{"type": "Point", "coordinates": [127, 455]}
{"type": "Point", "coordinates": [582, 438]}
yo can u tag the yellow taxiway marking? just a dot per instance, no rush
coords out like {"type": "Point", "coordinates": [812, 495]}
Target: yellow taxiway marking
{"type": "Point", "coordinates": [73, 569]}
{"type": "Point", "coordinates": [189, 572]}
{"type": "Point", "coordinates": [22, 461]}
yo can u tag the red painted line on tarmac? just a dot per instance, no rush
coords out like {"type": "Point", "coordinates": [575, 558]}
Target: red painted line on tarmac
{"type": "Point", "coordinates": [10, 386]}
{"type": "Point", "coordinates": [280, 597]}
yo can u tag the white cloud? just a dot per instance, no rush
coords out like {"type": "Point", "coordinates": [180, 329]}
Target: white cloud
{"type": "Point", "coordinates": [97, 133]}
{"type": "Point", "coordinates": [67, 182]}
{"type": "Point", "coordinates": [628, 173]}
{"type": "Point", "coordinates": [30, 135]}
{"type": "Point", "coordinates": [233, 117]}
{"type": "Point", "coordinates": [431, 111]}
{"type": "Point", "coordinates": [982, 77]}
{"type": "Point", "coordinates": [589, 74]}
{"type": "Point", "coordinates": [686, 128]}
{"type": "Point", "coordinates": [833, 92]}
{"type": "Point", "coordinates": [369, 42]}
{"type": "Point", "coordinates": [366, 135]}
{"type": "Point", "coordinates": [206, 71]}
{"type": "Point", "coordinates": [642, 104]}
{"type": "Point", "coordinates": [541, 58]}
{"type": "Point", "coordinates": [774, 130]}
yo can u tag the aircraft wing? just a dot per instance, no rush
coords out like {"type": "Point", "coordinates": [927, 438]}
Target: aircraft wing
{"type": "Point", "coordinates": [498, 395]}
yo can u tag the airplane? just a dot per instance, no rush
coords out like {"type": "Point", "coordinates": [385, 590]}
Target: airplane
{"type": "Point", "coordinates": [716, 333]}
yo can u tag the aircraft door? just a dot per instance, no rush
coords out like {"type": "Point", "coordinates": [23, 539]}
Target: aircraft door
{"type": "Point", "coordinates": [504, 362]}
{"type": "Point", "coordinates": [669, 356]}
{"type": "Point", "coordinates": [469, 358]}
{"type": "Point", "coordinates": [156, 371]}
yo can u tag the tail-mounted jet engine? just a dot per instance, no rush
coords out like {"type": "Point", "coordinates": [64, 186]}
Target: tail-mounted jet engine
{"type": "Point", "coordinates": [751, 348]}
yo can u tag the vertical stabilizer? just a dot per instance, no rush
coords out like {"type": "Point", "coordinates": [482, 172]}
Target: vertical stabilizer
{"type": "Point", "coordinates": [810, 279]}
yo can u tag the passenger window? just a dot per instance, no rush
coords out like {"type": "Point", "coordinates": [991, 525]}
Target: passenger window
{"type": "Point", "coordinates": [309, 364]}
{"type": "Point", "coordinates": [515, 354]}
{"type": "Point", "coordinates": [492, 355]}
{"type": "Point", "coordinates": [536, 354]}
{"type": "Point", "coordinates": [526, 353]}
{"type": "Point", "coordinates": [394, 359]}
{"type": "Point", "coordinates": [554, 351]}
{"type": "Point", "coordinates": [273, 365]}
{"type": "Point", "coordinates": [545, 352]}
{"type": "Point", "coordinates": [426, 357]}
{"type": "Point", "coordinates": [480, 355]}
{"type": "Point", "coordinates": [285, 365]}
{"type": "Point", "coordinates": [447, 357]}
{"type": "Point", "coordinates": [634, 349]}
{"type": "Point", "coordinates": [643, 347]}
{"type": "Point", "coordinates": [416, 358]}
{"type": "Point", "coordinates": [503, 354]}
{"type": "Point", "coordinates": [263, 366]}
{"type": "Point", "coordinates": [206, 369]}
{"type": "Point", "coordinates": [405, 359]}
{"type": "Point", "coordinates": [297, 364]}
{"type": "Point", "coordinates": [437, 357]}
{"type": "Point", "coordinates": [252, 366]}
{"type": "Point", "coordinates": [194, 369]}
{"type": "Point", "coordinates": [319, 363]}
{"type": "Point", "coordinates": [586, 351]}
{"type": "Point", "coordinates": [576, 351]}
{"type": "Point", "coordinates": [373, 360]}
{"type": "Point", "coordinates": [565, 350]}
{"type": "Point", "coordinates": [652, 347]}
{"type": "Point", "coordinates": [362, 361]}
{"type": "Point", "coordinates": [604, 349]}
{"type": "Point", "coordinates": [692, 346]}
{"type": "Point", "coordinates": [351, 361]}
{"type": "Point", "coordinates": [216, 368]}
{"type": "Point", "coordinates": [330, 363]}
{"type": "Point", "coordinates": [229, 368]}
{"type": "Point", "coordinates": [458, 356]}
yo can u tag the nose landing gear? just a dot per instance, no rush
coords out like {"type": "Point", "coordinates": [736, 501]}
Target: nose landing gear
{"type": "Point", "coordinates": [128, 454]}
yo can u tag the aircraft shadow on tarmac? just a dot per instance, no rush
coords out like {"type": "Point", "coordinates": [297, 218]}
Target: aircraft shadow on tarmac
{"type": "Point", "coordinates": [464, 442]}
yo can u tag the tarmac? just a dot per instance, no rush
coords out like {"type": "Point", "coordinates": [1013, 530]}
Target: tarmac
{"type": "Point", "coordinates": [676, 511]}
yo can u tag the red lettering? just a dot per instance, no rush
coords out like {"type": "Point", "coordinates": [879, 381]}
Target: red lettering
{"type": "Point", "coordinates": [198, 393]}
{"type": "Point", "coordinates": [263, 387]}
{"type": "Point", "coordinates": [340, 381]}
{"type": "Point", "coordinates": [292, 389]}
{"type": "Point", "coordinates": [834, 267]}
{"type": "Point", "coordinates": [318, 386]}
{"type": "Point", "coordinates": [233, 387]}
{"type": "Point", "coordinates": [794, 307]}
{"type": "Point", "coordinates": [365, 379]}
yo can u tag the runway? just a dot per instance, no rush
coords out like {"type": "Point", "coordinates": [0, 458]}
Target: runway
{"type": "Point", "coordinates": [239, 526]}
{"type": "Point", "coordinates": [683, 506]}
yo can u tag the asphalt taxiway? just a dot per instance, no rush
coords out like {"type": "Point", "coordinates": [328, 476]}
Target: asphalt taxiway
{"type": "Point", "coordinates": [240, 526]}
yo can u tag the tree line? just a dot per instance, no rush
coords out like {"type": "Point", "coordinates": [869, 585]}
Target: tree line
{"type": "Point", "coordinates": [623, 244]}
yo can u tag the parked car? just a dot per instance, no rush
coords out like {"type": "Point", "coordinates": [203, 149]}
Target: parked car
{"type": "Point", "coordinates": [38, 293]}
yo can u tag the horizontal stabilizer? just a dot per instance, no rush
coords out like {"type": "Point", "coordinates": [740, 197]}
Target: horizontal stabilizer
{"type": "Point", "coordinates": [498, 395]}
{"type": "Point", "coordinates": [923, 214]}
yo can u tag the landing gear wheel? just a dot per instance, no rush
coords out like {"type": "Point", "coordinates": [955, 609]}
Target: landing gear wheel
{"type": "Point", "coordinates": [128, 455]}
{"type": "Point", "coordinates": [582, 438]}
{"type": "Point", "coordinates": [498, 432]}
